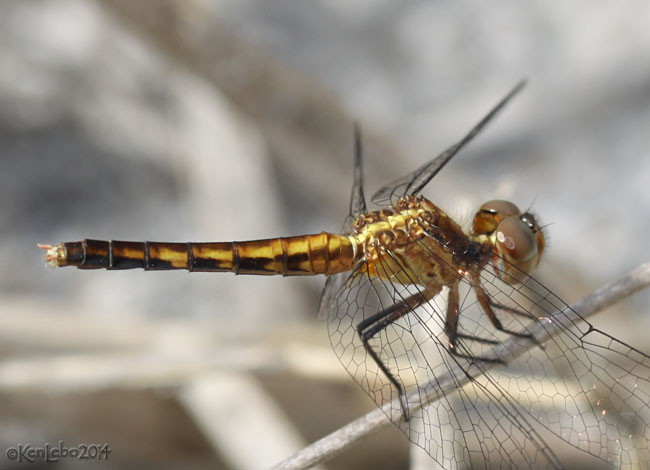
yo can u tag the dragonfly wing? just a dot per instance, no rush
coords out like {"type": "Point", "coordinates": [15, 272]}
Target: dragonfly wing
{"type": "Point", "coordinates": [586, 387]}
{"type": "Point", "coordinates": [357, 207]}
{"type": "Point", "coordinates": [390, 193]}
{"type": "Point", "coordinates": [333, 286]}
{"type": "Point", "coordinates": [357, 199]}
{"type": "Point", "coordinates": [462, 429]}
{"type": "Point", "coordinates": [415, 181]}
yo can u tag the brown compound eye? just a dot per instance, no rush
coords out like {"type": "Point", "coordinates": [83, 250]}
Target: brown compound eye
{"type": "Point", "coordinates": [489, 215]}
{"type": "Point", "coordinates": [529, 219]}
{"type": "Point", "coordinates": [520, 242]}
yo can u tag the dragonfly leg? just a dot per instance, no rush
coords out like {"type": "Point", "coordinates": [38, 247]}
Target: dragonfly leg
{"type": "Point", "coordinates": [486, 304]}
{"type": "Point", "coordinates": [514, 311]}
{"type": "Point", "coordinates": [451, 328]}
{"type": "Point", "coordinates": [374, 324]}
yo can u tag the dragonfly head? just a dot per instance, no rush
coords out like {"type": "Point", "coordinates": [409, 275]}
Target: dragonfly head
{"type": "Point", "coordinates": [517, 239]}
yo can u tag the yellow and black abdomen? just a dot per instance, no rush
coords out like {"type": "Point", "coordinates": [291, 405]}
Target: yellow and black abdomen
{"type": "Point", "coordinates": [322, 253]}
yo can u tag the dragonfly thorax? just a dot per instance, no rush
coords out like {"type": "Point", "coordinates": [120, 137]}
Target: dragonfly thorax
{"type": "Point", "coordinates": [416, 242]}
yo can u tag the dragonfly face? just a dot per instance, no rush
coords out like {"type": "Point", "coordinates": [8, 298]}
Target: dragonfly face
{"type": "Point", "coordinates": [408, 344]}
{"type": "Point", "coordinates": [517, 239]}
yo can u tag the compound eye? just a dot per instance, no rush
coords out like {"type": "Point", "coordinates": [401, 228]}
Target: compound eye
{"type": "Point", "coordinates": [517, 244]}
{"type": "Point", "coordinates": [529, 219]}
{"type": "Point", "coordinates": [490, 214]}
{"type": "Point", "coordinates": [505, 208]}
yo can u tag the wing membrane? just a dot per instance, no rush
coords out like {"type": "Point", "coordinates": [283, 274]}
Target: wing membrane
{"type": "Point", "coordinates": [357, 199]}
{"type": "Point", "coordinates": [415, 181]}
{"type": "Point", "coordinates": [357, 207]}
{"type": "Point", "coordinates": [461, 429]}
{"type": "Point", "coordinates": [585, 386]}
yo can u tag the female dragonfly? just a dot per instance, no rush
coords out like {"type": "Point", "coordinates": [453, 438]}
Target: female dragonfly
{"type": "Point", "coordinates": [411, 298]}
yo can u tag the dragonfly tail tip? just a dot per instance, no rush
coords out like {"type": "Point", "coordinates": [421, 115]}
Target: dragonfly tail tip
{"type": "Point", "coordinates": [52, 254]}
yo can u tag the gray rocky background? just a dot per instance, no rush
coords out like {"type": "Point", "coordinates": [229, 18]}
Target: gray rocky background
{"type": "Point", "coordinates": [212, 120]}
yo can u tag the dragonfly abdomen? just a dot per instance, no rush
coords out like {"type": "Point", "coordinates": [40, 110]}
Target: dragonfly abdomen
{"type": "Point", "coordinates": [322, 253]}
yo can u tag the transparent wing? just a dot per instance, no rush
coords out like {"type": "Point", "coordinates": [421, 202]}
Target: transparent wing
{"type": "Point", "coordinates": [357, 199]}
{"type": "Point", "coordinates": [462, 429]}
{"type": "Point", "coordinates": [414, 182]}
{"type": "Point", "coordinates": [586, 387]}
{"type": "Point", "coordinates": [357, 207]}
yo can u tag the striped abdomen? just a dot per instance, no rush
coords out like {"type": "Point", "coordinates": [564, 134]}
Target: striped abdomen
{"type": "Point", "coordinates": [322, 253]}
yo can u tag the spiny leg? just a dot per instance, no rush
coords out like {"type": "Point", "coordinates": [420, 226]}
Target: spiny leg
{"type": "Point", "coordinates": [451, 328]}
{"type": "Point", "coordinates": [486, 304]}
{"type": "Point", "coordinates": [514, 311]}
{"type": "Point", "coordinates": [374, 324]}
{"type": "Point", "coordinates": [520, 313]}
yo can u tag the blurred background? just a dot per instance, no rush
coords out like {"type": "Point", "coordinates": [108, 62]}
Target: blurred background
{"type": "Point", "coordinates": [218, 120]}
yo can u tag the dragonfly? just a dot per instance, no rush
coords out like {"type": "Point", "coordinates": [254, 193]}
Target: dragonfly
{"type": "Point", "coordinates": [416, 308]}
